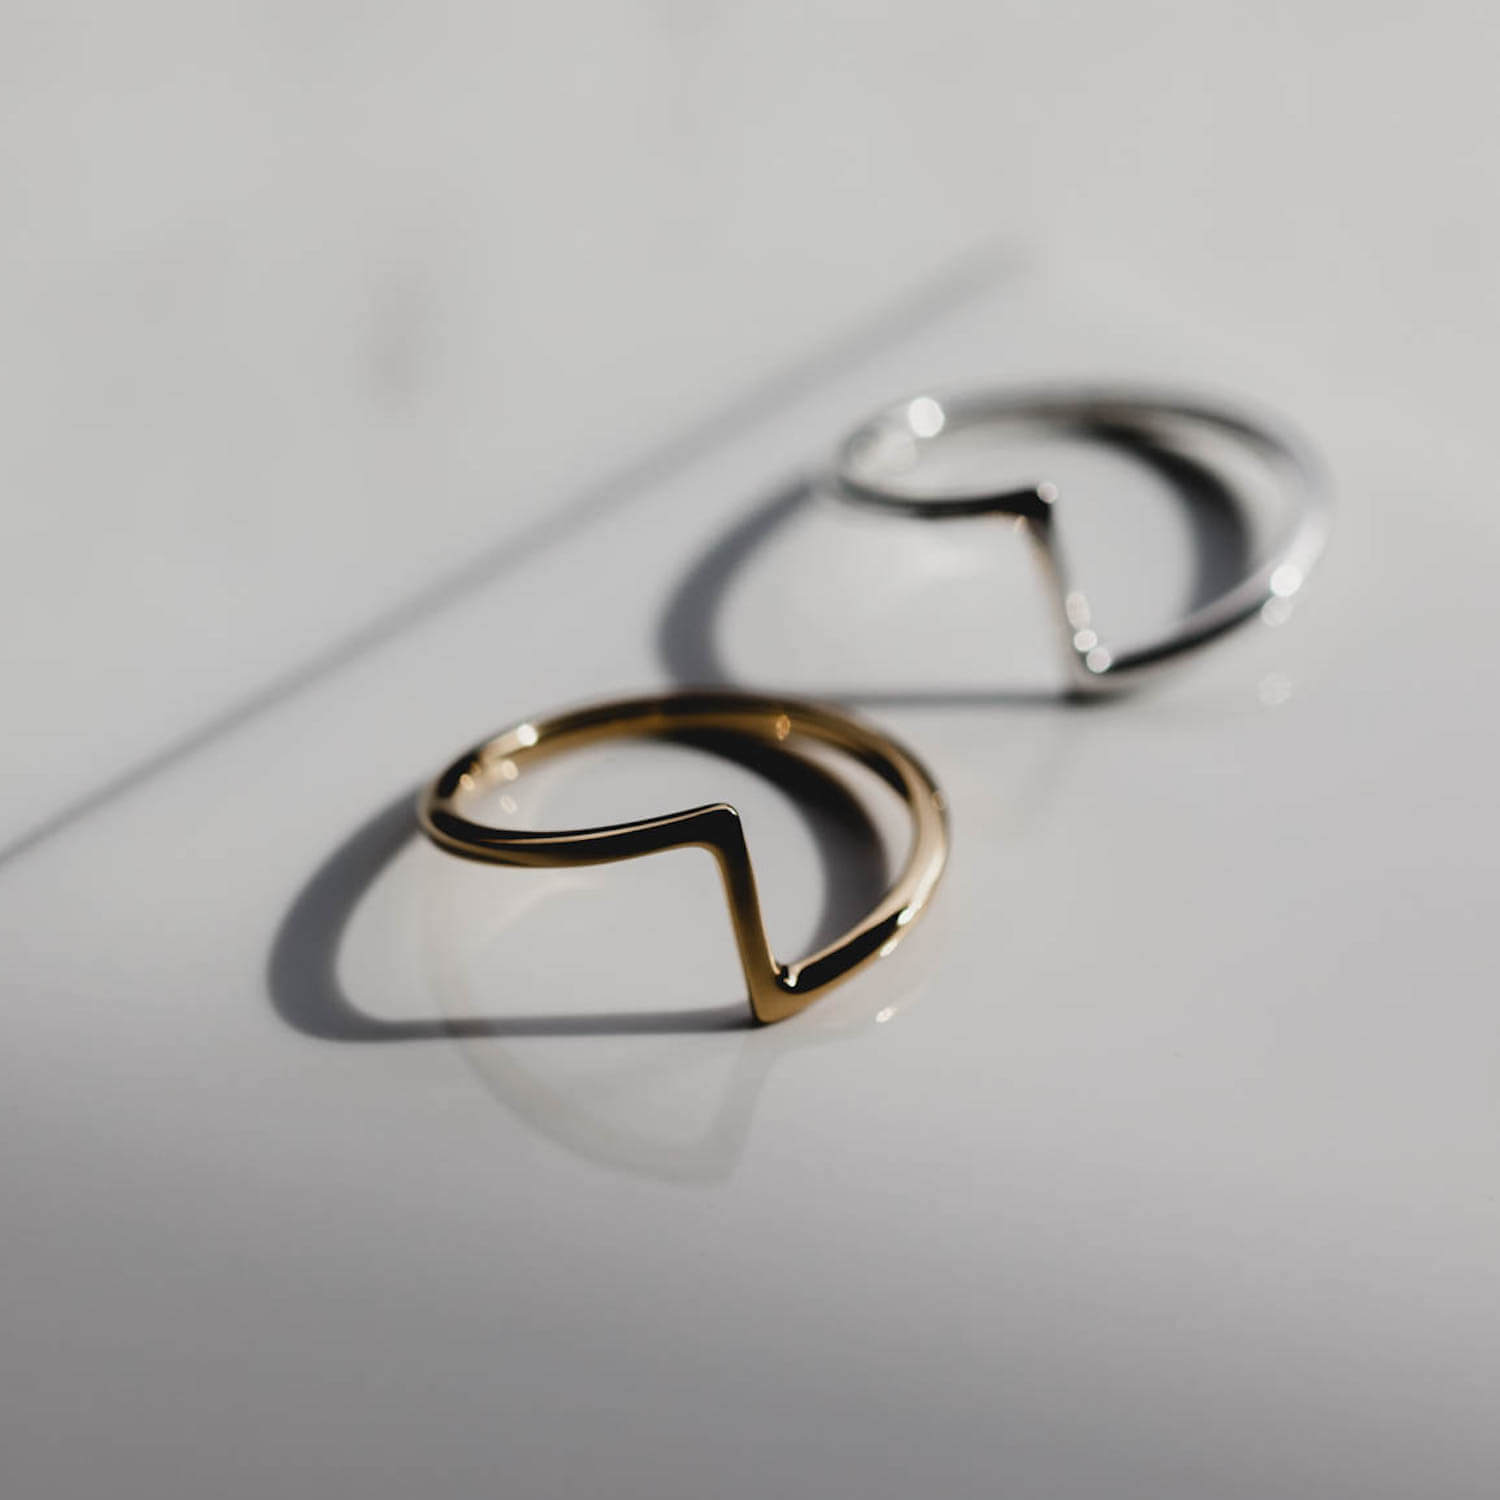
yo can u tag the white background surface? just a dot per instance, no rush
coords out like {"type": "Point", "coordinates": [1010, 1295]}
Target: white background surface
{"type": "Point", "coordinates": [305, 303]}
{"type": "Point", "coordinates": [1172, 1170]}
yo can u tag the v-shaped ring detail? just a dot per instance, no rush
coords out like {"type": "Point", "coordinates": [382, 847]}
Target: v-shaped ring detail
{"type": "Point", "coordinates": [775, 989]}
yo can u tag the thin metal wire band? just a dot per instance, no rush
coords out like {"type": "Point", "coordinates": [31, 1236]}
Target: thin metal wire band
{"type": "Point", "coordinates": [775, 990]}
{"type": "Point", "coordinates": [1154, 417]}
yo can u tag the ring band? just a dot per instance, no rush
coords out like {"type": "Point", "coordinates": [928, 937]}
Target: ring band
{"type": "Point", "coordinates": [869, 463]}
{"type": "Point", "coordinates": [775, 990]}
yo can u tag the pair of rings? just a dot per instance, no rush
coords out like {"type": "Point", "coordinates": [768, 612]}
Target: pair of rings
{"type": "Point", "coordinates": [881, 464]}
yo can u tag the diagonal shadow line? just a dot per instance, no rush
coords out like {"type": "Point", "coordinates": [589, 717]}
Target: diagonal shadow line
{"type": "Point", "coordinates": [945, 293]}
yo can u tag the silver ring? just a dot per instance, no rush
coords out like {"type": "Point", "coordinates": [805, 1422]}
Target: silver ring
{"type": "Point", "coordinates": [874, 466]}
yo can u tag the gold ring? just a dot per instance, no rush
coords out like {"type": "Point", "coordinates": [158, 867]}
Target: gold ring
{"type": "Point", "coordinates": [776, 990]}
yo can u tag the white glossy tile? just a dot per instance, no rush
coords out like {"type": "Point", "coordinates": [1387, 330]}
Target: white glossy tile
{"type": "Point", "coordinates": [1167, 1172]}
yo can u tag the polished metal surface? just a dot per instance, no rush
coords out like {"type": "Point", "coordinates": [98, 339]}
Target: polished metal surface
{"type": "Point", "coordinates": [776, 990]}
{"type": "Point", "coordinates": [879, 464]}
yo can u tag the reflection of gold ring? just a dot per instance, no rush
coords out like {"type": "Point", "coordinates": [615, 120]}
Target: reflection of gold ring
{"type": "Point", "coordinates": [776, 990]}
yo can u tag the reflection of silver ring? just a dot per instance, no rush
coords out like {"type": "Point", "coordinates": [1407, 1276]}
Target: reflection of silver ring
{"type": "Point", "coordinates": [880, 464]}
